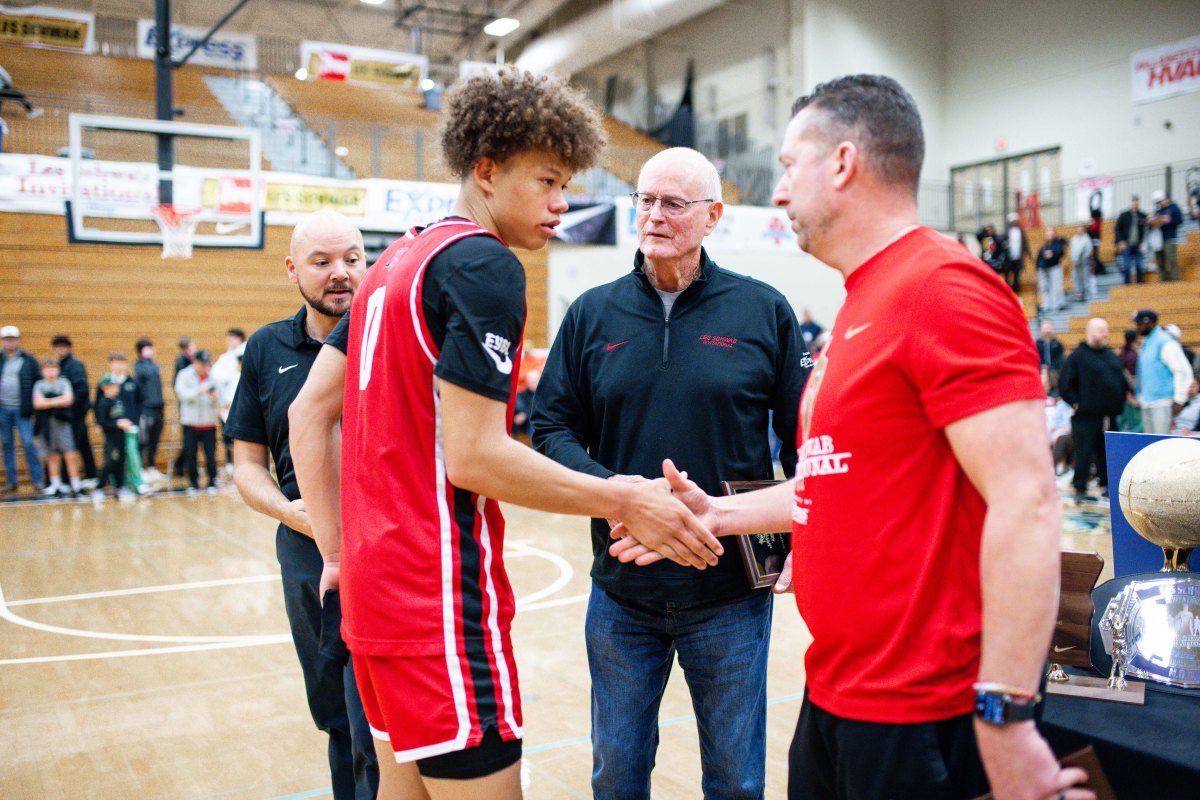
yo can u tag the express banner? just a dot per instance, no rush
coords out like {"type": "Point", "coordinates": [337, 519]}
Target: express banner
{"type": "Point", "coordinates": [49, 28]}
{"type": "Point", "coordinates": [229, 50]}
{"type": "Point", "coordinates": [1167, 70]}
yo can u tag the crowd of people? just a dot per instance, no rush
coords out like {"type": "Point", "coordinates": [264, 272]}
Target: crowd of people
{"type": "Point", "coordinates": [52, 407]}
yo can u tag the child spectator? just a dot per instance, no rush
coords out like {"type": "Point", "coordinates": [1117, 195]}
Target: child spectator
{"type": "Point", "coordinates": [198, 404]}
{"type": "Point", "coordinates": [115, 421]}
{"type": "Point", "coordinates": [52, 400]}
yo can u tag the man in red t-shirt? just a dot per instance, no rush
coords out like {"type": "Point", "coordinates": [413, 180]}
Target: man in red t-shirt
{"type": "Point", "coordinates": [924, 515]}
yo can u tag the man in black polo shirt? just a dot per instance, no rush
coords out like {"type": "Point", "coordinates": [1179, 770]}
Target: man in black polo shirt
{"type": "Point", "coordinates": [326, 262]}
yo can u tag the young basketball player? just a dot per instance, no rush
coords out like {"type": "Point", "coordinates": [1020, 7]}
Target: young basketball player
{"type": "Point", "coordinates": [433, 349]}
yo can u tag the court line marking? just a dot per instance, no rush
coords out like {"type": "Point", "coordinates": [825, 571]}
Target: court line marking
{"type": "Point", "coordinates": [197, 643]}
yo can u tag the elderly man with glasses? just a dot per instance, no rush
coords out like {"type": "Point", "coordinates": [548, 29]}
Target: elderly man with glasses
{"type": "Point", "coordinates": [682, 359]}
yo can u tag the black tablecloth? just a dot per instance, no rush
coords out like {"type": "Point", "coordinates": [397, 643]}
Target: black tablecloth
{"type": "Point", "coordinates": [1150, 751]}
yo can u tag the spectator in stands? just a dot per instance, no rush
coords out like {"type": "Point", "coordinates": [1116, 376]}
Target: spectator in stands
{"type": "Point", "coordinates": [991, 249]}
{"type": "Point", "coordinates": [1163, 374]}
{"type": "Point", "coordinates": [19, 371]}
{"type": "Point", "coordinates": [225, 376]}
{"type": "Point", "coordinates": [149, 378]}
{"type": "Point", "coordinates": [1129, 353]}
{"type": "Point", "coordinates": [10, 92]}
{"type": "Point", "coordinates": [1177, 334]}
{"type": "Point", "coordinates": [809, 329]}
{"type": "Point", "coordinates": [74, 371]}
{"type": "Point", "coordinates": [1058, 426]}
{"type": "Point", "coordinates": [131, 391]}
{"type": "Point", "coordinates": [1187, 421]}
{"type": "Point", "coordinates": [1167, 218]}
{"type": "Point", "coordinates": [523, 406]}
{"type": "Point", "coordinates": [1082, 265]}
{"type": "Point", "coordinates": [1130, 419]}
{"type": "Point", "coordinates": [1016, 250]}
{"type": "Point", "coordinates": [52, 399]}
{"type": "Point", "coordinates": [183, 359]}
{"type": "Point", "coordinates": [1095, 229]}
{"type": "Point", "coordinates": [1050, 352]}
{"type": "Point", "coordinates": [1050, 271]}
{"type": "Point", "coordinates": [1093, 383]}
{"type": "Point", "coordinates": [1129, 235]}
{"type": "Point", "coordinates": [198, 405]}
{"type": "Point", "coordinates": [114, 420]}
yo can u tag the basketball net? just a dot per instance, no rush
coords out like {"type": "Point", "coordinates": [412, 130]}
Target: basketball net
{"type": "Point", "coordinates": [178, 228]}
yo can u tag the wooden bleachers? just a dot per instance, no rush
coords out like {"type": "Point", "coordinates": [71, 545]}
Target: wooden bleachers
{"type": "Point", "coordinates": [106, 297]}
{"type": "Point", "coordinates": [66, 83]}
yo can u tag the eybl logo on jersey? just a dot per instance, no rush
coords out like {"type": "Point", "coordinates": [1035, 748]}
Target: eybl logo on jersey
{"type": "Point", "coordinates": [498, 348]}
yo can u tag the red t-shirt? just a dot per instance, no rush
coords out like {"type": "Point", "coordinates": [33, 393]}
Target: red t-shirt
{"type": "Point", "coordinates": [886, 526]}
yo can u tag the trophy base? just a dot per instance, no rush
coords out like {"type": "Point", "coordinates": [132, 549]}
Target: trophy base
{"type": "Point", "coordinates": [1094, 688]}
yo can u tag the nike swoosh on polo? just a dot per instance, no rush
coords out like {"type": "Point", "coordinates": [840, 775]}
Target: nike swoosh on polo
{"type": "Point", "coordinates": [1058, 649]}
{"type": "Point", "coordinates": [285, 369]}
{"type": "Point", "coordinates": [504, 365]}
{"type": "Point", "coordinates": [615, 346]}
{"type": "Point", "coordinates": [855, 331]}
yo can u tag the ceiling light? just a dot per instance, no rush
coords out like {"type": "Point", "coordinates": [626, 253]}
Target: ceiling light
{"type": "Point", "coordinates": [373, 2]}
{"type": "Point", "coordinates": [501, 27]}
{"type": "Point", "coordinates": [302, 74]}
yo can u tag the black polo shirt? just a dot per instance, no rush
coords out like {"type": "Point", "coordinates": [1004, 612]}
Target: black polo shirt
{"type": "Point", "coordinates": [275, 365]}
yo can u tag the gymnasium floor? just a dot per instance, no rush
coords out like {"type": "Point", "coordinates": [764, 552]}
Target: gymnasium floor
{"type": "Point", "coordinates": [144, 654]}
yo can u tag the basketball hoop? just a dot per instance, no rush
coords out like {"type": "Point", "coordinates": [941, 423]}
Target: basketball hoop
{"type": "Point", "coordinates": [178, 228]}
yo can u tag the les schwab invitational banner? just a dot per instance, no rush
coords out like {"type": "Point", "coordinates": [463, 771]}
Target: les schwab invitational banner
{"type": "Point", "coordinates": [50, 28]}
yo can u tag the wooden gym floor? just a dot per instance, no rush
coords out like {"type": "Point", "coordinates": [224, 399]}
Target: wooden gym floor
{"type": "Point", "coordinates": [144, 654]}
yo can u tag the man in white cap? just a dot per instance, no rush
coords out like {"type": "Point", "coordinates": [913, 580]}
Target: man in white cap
{"type": "Point", "coordinates": [18, 372]}
{"type": "Point", "coordinates": [1167, 218]}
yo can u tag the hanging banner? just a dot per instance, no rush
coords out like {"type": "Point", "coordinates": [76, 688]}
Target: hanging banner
{"type": "Point", "coordinates": [1167, 70]}
{"type": "Point", "coordinates": [228, 50]}
{"type": "Point", "coordinates": [345, 63]}
{"type": "Point", "coordinates": [49, 28]}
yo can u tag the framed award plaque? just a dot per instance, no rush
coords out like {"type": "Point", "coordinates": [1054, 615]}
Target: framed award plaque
{"type": "Point", "coordinates": [762, 554]}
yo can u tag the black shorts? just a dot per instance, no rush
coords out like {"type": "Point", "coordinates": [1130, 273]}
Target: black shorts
{"type": "Point", "coordinates": [832, 756]}
{"type": "Point", "coordinates": [491, 755]}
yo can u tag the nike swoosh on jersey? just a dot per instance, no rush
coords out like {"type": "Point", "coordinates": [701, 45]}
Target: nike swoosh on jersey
{"type": "Point", "coordinates": [285, 369]}
{"type": "Point", "coordinates": [615, 346]}
{"type": "Point", "coordinates": [855, 331]}
{"type": "Point", "coordinates": [504, 365]}
{"type": "Point", "coordinates": [1058, 649]}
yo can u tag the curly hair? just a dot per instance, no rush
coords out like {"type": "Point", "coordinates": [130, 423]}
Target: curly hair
{"type": "Point", "coordinates": [499, 115]}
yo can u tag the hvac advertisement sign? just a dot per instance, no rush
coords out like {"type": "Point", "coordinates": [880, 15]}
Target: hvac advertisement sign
{"type": "Point", "coordinates": [49, 28]}
{"type": "Point", "coordinates": [345, 63]}
{"type": "Point", "coordinates": [228, 50]}
{"type": "Point", "coordinates": [1167, 70]}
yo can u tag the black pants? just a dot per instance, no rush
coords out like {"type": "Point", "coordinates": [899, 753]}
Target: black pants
{"type": "Point", "coordinates": [152, 428]}
{"type": "Point", "coordinates": [114, 460]}
{"type": "Point", "coordinates": [1087, 435]}
{"type": "Point", "coordinates": [192, 438]}
{"type": "Point", "coordinates": [1012, 274]}
{"type": "Point", "coordinates": [832, 757]}
{"type": "Point", "coordinates": [79, 430]}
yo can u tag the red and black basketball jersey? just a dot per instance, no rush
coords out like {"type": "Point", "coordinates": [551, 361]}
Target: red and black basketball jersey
{"type": "Point", "coordinates": [422, 560]}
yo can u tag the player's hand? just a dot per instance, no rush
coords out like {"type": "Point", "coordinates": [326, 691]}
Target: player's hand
{"type": "Point", "coordinates": [663, 524]}
{"type": "Point", "coordinates": [783, 584]}
{"type": "Point", "coordinates": [612, 523]}
{"type": "Point", "coordinates": [296, 518]}
{"type": "Point", "coordinates": [1020, 765]}
{"type": "Point", "coordinates": [628, 548]}
{"type": "Point", "coordinates": [330, 575]}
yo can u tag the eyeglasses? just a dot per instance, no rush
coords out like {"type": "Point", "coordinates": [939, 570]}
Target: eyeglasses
{"type": "Point", "coordinates": [671, 206]}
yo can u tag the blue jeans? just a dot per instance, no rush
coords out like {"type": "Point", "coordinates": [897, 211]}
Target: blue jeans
{"type": "Point", "coordinates": [329, 682]}
{"type": "Point", "coordinates": [1132, 257]}
{"type": "Point", "coordinates": [722, 648]}
{"type": "Point", "coordinates": [9, 418]}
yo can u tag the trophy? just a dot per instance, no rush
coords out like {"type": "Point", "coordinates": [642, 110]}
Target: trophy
{"type": "Point", "coordinates": [1151, 627]}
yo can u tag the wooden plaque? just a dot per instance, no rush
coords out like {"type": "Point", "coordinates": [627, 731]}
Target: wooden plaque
{"type": "Point", "coordinates": [762, 554]}
{"type": "Point", "coordinates": [1071, 643]}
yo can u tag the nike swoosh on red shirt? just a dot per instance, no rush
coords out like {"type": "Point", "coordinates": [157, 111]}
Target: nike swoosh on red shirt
{"type": "Point", "coordinates": [615, 346]}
